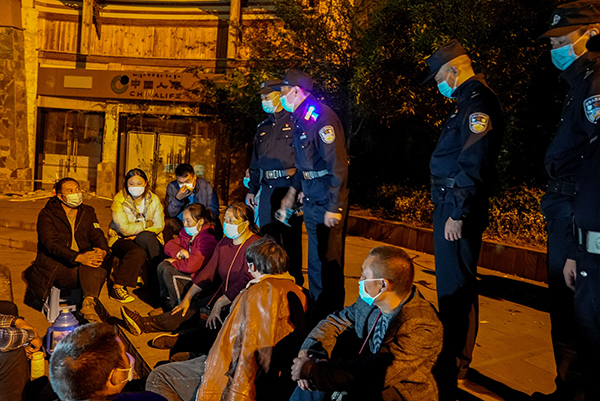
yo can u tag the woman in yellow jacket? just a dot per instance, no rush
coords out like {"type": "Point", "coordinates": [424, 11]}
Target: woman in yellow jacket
{"type": "Point", "coordinates": [135, 233]}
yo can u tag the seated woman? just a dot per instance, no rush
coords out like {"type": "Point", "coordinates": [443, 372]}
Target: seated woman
{"type": "Point", "coordinates": [135, 233]}
{"type": "Point", "coordinates": [252, 355]}
{"type": "Point", "coordinates": [226, 268]}
{"type": "Point", "coordinates": [188, 253]}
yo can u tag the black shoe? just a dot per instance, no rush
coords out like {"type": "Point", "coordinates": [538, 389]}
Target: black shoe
{"type": "Point", "coordinates": [134, 321]}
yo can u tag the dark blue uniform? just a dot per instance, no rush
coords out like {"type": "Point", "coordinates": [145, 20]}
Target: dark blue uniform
{"type": "Point", "coordinates": [322, 162]}
{"type": "Point", "coordinates": [462, 168]}
{"type": "Point", "coordinates": [271, 172]}
{"type": "Point", "coordinates": [563, 161]}
{"type": "Point", "coordinates": [587, 286]}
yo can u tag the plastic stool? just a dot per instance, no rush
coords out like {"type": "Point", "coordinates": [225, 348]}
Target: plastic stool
{"type": "Point", "coordinates": [52, 305]}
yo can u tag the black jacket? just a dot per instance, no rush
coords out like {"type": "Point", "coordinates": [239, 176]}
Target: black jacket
{"type": "Point", "coordinates": [54, 247]}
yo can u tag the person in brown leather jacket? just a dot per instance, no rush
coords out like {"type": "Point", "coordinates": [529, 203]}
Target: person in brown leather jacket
{"type": "Point", "coordinates": [251, 356]}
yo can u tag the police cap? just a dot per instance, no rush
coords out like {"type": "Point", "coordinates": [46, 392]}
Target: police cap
{"type": "Point", "coordinates": [296, 78]}
{"type": "Point", "coordinates": [268, 86]}
{"type": "Point", "coordinates": [571, 16]}
{"type": "Point", "coordinates": [441, 56]}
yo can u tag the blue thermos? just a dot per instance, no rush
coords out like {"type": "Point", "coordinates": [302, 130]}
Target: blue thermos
{"type": "Point", "coordinates": [63, 325]}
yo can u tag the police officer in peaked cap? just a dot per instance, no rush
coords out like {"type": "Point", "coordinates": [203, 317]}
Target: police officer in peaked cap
{"type": "Point", "coordinates": [462, 169]}
{"type": "Point", "coordinates": [271, 172]}
{"type": "Point", "coordinates": [571, 26]}
{"type": "Point", "coordinates": [322, 162]}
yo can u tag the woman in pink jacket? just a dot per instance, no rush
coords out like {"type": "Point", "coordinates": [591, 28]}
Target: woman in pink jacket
{"type": "Point", "coordinates": [188, 253]}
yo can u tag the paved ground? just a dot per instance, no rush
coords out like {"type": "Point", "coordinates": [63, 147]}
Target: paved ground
{"type": "Point", "coordinates": [513, 357]}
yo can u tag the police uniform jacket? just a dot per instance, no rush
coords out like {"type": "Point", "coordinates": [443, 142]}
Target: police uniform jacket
{"type": "Point", "coordinates": [578, 118]}
{"type": "Point", "coordinates": [272, 150]}
{"type": "Point", "coordinates": [463, 163]}
{"type": "Point", "coordinates": [320, 145]}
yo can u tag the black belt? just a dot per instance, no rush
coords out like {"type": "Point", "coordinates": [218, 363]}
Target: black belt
{"type": "Point", "coordinates": [441, 182]}
{"type": "Point", "coordinates": [562, 187]}
{"type": "Point", "coordinates": [589, 241]}
{"type": "Point", "coordinates": [275, 174]}
{"type": "Point", "coordinates": [311, 175]}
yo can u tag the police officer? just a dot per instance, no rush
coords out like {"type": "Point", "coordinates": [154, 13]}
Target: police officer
{"type": "Point", "coordinates": [583, 275]}
{"type": "Point", "coordinates": [322, 163]}
{"type": "Point", "coordinates": [271, 173]}
{"type": "Point", "coordinates": [462, 168]}
{"type": "Point", "coordinates": [570, 29]}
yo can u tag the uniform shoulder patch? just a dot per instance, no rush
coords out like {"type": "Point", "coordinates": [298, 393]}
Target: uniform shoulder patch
{"type": "Point", "coordinates": [591, 106]}
{"type": "Point", "coordinates": [327, 134]}
{"type": "Point", "coordinates": [96, 225]}
{"type": "Point", "coordinates": [478, 122]}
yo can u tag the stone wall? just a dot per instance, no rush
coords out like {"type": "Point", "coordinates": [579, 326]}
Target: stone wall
{"type": "Point", "coordinates": [15, 170]}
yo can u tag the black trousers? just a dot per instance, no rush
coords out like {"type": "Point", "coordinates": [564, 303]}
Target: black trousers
{"type": "Point", "coordinates": [326, 248]}
{"type": "Point", "coordinates": [558, 210]}
{"type": "Point", "coordinates": [587, 314]}
{"type": "Point", "coordinates": [89, 279]}
{"type": "Point", "coordinates": [132, 256]}
{"type": "Point", "coordinates": [289, 237]}
{"type": "Point", "coordinates": [173, 225]}
{"type": "Point", "coordinates": [456, 281]}
{"type": "Point", "coordinates": [14, 365]}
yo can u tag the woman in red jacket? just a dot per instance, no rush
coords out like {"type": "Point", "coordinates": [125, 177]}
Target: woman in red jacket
{"type": "Point", "coordinates": [188, 253]}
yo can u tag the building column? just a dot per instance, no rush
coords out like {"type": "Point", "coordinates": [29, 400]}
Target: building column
{"type": "Point", "coordinates": [107, 169]}
{"type": "Point", "coordinates": [16, 174]}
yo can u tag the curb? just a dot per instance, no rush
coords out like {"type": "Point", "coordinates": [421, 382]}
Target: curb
{"type": "Point", "coordinates": [24, 245]}
{"type": "Point", "coordinates": [523, 262]}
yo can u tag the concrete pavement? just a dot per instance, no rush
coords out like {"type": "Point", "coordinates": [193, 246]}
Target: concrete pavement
{"type": "Point", "coordinates": [513, 357]}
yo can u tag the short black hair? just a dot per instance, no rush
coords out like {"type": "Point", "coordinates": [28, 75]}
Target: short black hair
{"type": "Point", "coordinates": [184, 169]}
{"type": "Point", "coordinates": [82, 361]}
{"type": "Point", "coordinates": [267, 256]}
{"type": "Point", "coordinates": [58, 186]}
{"type": "Point", "coordinates": [132, 173]}
{"type": "Point", "coordinates": [395, 265]}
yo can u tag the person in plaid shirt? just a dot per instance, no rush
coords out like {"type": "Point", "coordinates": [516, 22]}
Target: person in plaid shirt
{"type": "Point", "coordinates": [17, 339]}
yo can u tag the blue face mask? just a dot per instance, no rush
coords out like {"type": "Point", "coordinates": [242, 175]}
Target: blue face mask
{"type": "Point", "coordinates": [268, 106]}
{"type": "Point", "coordinates": [191, 230]}
{"type": "Point", "coordinates": [286, 103]}
{"type": "Point", "coordinates": [247, 182]}
{"type": "Point", "coordinates": [564, 56]}
{"type": "Point", "coordinates": [363, 293]}
{"type": "Point", "coordinates": [445, 89]}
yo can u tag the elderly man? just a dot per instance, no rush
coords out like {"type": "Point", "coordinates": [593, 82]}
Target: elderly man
{"type": "Point", "coordinates": [72, 250]}
{"type": "Point", "coordinates": [251, 355]}
{"type": "Point", "coordinates": [462, 170]}
{"type": "Point", "coordinates": [400, 333]}
{"type": "Point", "coordinates": [571, 26]}
{"type": "Point", "coordinates": [91, 364]}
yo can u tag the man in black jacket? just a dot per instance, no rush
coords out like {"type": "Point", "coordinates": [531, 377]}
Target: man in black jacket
{"type": "Point", "coordinates": [72, 250]}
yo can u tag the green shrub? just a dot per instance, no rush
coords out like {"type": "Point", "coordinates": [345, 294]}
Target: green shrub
{"type": "Point", "coordinates": [515, 215]}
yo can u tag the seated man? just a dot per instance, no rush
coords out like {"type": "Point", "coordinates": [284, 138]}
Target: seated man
{"type": "Point", "coordinates": [72, 250]}
{"type": "Point", "coordinates": [17, 339]}
{"type": "Point", "coordinates": [186, 189]}
{"type": "Point", "coordinates": [91, 364]}
{"type": "Point", "coordinates": [400, 333]}
{"type": "Point", "coordinates": [251, 355]}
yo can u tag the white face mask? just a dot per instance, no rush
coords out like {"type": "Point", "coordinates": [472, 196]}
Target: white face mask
{"type": "Point", "coordinates": [136, 191]}
{"type": "Point", "coordinates": [73, 200]}
{"type": "Point", "coordinates": [129, 370]}
{"type": "Point", "coordinates": [187, 185]}
{"type": "Point", "coordinates": [231, 230]}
